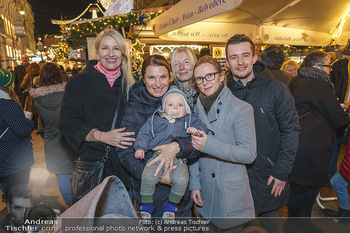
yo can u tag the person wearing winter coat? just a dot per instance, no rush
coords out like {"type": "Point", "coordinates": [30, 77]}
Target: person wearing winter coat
{"type": "Point", "coordinates": [320, 114]}
{"type": "Point", "coordinates": [276, 124]}
{"type": "Point", "coordinates": [89, 104]}
{"type": "Point", "coordinates": [16, 149]}
{"type": "Point", "coordinates": [340, 182]}
{"type": "Point", "coordinates": [219, 180]}
{"type": "Point", "coordinates": [33, 71]}
{"type": "Point", "coordinates": [18, 74]}
{"type": "Point", "coordinates": [173, 119]}
{"type": "Point", "coordinates": [272, 57]}
{"type": "Point", "coordinates": [144, 99]}
{"type": "Point", "coordinates": [47, 98]}
{"type": "Point", "coordinates": [339, 76]}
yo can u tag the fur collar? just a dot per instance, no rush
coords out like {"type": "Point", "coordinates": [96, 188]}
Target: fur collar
{"type": "Point", "coordinates": [46, 90]}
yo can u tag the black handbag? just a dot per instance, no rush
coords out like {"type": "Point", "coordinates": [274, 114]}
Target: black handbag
{"type": "Point", "coordinates": [88, 175]}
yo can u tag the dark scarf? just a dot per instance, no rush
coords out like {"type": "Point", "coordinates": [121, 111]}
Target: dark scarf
{"type": "Point", "coordinates": [207, 101]}
{"type": "Point", "coordinates": [311, 72]}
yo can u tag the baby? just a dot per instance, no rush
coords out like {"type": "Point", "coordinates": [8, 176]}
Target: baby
{"type": "Point", "coordinates": [172, 120]}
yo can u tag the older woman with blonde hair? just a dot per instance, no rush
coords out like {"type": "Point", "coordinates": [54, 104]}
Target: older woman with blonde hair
{"type": "Point", "coordinates": [182, 63]}
{"type": "Point", "coordinates": [93, 100]}
{"type": "Point", "coordinates": [290, 67]}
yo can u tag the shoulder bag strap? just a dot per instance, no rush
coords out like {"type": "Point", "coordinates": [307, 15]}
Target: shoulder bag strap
{"type": "Point", "coordinates": [108, 148]}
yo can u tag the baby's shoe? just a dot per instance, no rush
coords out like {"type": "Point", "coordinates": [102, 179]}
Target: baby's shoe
{"type": "Point", "coordinates": [169, 210]}
{"type": "Point", "coordinates": [146, 210]}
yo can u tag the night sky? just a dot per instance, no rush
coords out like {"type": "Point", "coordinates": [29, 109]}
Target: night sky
{"type": "Point", "coordinates": [45, 10]}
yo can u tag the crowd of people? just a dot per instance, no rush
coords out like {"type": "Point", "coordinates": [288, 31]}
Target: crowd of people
{"type": "Point", "coordinates": [241, 143]}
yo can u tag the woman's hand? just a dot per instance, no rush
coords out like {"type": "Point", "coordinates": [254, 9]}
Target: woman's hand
{"type": "Point", "coordinates": [166, 157]}
{"type": "Point", "coordinates": [198, 141]}
{"type": "Point", "coordinates": [196, 197]}
{"type": "Point", "coordinates": [117, 138]}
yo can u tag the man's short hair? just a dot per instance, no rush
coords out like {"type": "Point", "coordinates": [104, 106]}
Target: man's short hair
{"type": "Point", "coordinates": [240, 38]}
{"type": "Point", "coordinates": [18, 191]}
{"type": "Point", "coordinates": [273, 57]}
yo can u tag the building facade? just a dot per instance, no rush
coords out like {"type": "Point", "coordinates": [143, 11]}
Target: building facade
{"type": "Point", "coordinates": [11, 45]}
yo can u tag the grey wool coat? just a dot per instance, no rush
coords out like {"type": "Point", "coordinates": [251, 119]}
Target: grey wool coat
{"type": "Point", "coordinates": [59, 156]}
{"type": "Point", "coordinates": [220, 173]}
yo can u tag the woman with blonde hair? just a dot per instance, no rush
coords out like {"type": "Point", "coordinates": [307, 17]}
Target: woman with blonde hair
{"type": "Point", "coordinates": [93, 100]}
{"type": "Point", "coordinates": [291, 67]}
{"type": "Point", "coordinates": [182, 63]}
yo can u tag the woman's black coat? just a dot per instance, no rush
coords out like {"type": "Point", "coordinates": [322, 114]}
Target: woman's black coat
{"type": "Point", "coordinates": [320, 114]}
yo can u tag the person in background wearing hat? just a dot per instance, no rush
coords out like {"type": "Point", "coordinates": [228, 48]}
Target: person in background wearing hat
{"type": "Point", "coordinates": [339, 77]}
{"type": "Point", "coordinates": [173, 119]}
{"type": "Point", "coordinates": [19, 73]}
{"type": "Point", "coordinates": [16, 151]}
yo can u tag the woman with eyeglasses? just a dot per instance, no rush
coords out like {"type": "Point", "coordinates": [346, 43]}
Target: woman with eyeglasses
{"type": "Point", "coordinates": [319, 115]}
{"type": "Point", "coordinates": [218, 180]}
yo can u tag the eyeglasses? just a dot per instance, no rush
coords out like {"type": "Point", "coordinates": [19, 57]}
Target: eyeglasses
{"type": "Point", "coordinates": [329, 66]}
{"type": "Point", "coordinates": [208, 77]}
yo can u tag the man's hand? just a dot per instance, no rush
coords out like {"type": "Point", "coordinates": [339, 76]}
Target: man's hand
{"type": "Point", "coordinates": [196, 197]}
{"type": "Point", "coordinates": [166, 157]}
{"type": "Point", "coordinates": [278, 186]}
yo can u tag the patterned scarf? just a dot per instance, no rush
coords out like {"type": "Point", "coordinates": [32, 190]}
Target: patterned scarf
{"type": "Point", "coordinates": [311, 72]}
{"type": "Point", "coordinates": [110, 75]}
{"type": "Point", "coordinates": [188, 93]}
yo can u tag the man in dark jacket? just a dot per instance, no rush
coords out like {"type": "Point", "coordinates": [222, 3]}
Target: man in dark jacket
{"type": "Point", "coordinates": [339, 77]}
{"type": "Point", "coordinates": [273, 58]}
{"type": "Point", "coordinates": [19, 73]}
{"type": "Point", "coordinates": [276, 123]}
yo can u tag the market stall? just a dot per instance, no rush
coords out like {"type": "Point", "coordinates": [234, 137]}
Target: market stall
{"type": "Point", "coordinates": [295, 22]}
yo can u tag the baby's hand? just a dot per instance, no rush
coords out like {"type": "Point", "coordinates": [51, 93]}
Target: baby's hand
{"type": "Point", "coordinates": [139, 154]}
{"type": "Point", "coordinates": [192, 130]}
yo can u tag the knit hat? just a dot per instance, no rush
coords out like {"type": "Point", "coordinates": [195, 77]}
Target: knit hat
{"type": "Point", "coordinates": [6, 78]}
{"type": "Point", "coordinates": [175, 90]}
